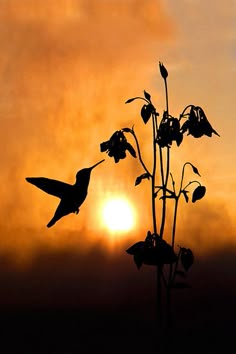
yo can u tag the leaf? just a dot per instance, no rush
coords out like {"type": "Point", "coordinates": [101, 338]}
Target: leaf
{"type": "Point", "coordinates": [146, 112]}
{"type": "Point", "coordinates": [195, 170]}
{"type": "Point", "coordinates": [136, 248]}
{"type": "Point", "coordinates": [140, 178]}
{"type": "Point", "coordinates": [181, 285]}
{"type": "Point", "coordinates": [131, 100]}
{"type": "Point", "coordinates": [186, 258]}
{"type": "Point", "coordinates": [198, 193]}
{"type": "Point", "coordinates": [185, 193]}
{"type": "Point", "coordinates": [147, 95]}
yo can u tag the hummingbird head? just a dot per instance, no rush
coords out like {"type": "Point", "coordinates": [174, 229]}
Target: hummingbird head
{"type": "Point", "coordinates": [83, 175]}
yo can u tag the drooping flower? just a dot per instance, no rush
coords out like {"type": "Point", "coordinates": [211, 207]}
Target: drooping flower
{"type": "Point", "coordinates": [152, 251]}
{"type": "Point", "coordinates": [169, 130]}
{"type": "Point", "coordinates": [117, 146]}
{"type": "Point", "coordinates": [197, 124]}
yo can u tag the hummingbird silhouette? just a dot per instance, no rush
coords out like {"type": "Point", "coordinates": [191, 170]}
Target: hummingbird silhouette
{"type": "Point", "coordinates": [72, 196]}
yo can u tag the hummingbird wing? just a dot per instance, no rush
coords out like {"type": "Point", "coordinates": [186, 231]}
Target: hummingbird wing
{"type": "Point", "coordinates": [51, 186]}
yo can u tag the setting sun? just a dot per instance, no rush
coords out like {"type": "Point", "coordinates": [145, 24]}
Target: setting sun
{"type": "Point", "coordinates": [118, 215]}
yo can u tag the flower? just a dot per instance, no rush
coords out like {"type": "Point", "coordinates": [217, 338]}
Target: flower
{"type": "Point", "coordinates": [117, 145]}
{"type": "Point", "coordinates": [153, 251]}
{"type": "Point", "coordinates": [197, 124]}
{"type": "Point", "coordinates": [169, 130]}
{"type": "Point", "coordinates": [163, 71]}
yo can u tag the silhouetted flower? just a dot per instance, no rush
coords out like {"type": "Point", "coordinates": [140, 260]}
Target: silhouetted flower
{"type": "Point", "coordinates": [163, 71]}
{"type": "Point", "coordinates": [169, 130]}
{"type": "Point", "coordinates": [146, 112]}
{"type": "Point", "coordinates": [153, 251]}
{"type": "Point", "coordinates": [198, 193]}
{"type": "Point", "coordinates": [117, 145]}
{"type": "Point", "coordinates": [197, 124]}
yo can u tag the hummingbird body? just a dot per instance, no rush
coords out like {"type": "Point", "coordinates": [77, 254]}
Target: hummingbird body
{"type": "Point", "coordinates": [72, 196]}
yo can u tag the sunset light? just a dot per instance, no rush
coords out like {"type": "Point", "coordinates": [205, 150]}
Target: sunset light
{"type": "Point", "coordinates": [118, 215]}
{"type": "Point", "coordinates": [118, 181]}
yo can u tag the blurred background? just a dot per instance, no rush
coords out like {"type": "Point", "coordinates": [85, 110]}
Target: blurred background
{"type": "Point", "coordinates": [66, 69]}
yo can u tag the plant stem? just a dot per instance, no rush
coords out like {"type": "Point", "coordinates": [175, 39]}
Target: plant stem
{"type": "Point", "coordinates": [139, 152]}
{"type": "Point", "coordinates": [174, 222]}
{"type": "Point", "coordinates": [154, 125]}
{"type": "Point", "coordinates": [165, 179]}
{"type": "Point", "coordinates": [168, 148]}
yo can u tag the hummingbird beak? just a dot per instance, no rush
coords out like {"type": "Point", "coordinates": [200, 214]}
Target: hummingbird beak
{"type": "Point", "coordinates": [97, 164]}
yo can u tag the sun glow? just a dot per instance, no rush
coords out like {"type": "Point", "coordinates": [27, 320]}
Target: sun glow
{"type": "Point", "coordinates": [118, 215]}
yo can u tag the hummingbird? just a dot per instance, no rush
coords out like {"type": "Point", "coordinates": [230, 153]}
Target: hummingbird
{"type": "Point", "coordinates": [72, 195]}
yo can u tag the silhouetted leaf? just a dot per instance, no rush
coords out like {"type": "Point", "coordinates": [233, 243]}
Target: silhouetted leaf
{"type": "Point", "coordinates": [147, 95]}
{"type": "Point", "coordinates": [186, 258]}
{"type": "Point", "coordinates": [181, 285]}
{"type": "Point", "coordinates": [198, 193]}
{"type": "Point", "coordinates": [140, 178]}
{"type": "Point", "coordinates": [163, 71]}
{"type": "Point", "coordinates": [185, 194]}
{"type": "Point", "coordinates": [136, 248]}
{"type": "Point", "coordinates": [131, 100]}
{"type": "Point", "coordinates": [146, 112]}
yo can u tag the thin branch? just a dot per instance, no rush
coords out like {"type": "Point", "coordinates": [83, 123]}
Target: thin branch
{"type": "Point", "coordinates": [139, 152]}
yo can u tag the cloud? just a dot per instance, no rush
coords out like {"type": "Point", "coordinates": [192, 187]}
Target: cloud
{"type": "Point", "coordinates": [64, 75]}
{"type": "Point", "coordinates": [67, 68]}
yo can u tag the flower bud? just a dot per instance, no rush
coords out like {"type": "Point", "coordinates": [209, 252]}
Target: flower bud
{"type": "Point", "coordinates": [163, 71]}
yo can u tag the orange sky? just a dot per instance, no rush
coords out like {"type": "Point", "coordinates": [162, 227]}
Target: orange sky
{"type": "Point", "coordinates": [66, 69]}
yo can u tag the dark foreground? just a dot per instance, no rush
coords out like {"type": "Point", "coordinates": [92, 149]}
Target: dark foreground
{"type": "Point", "coordinates": [65, 304]}
{"type": "Point", "coordinates": [70, 332]}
